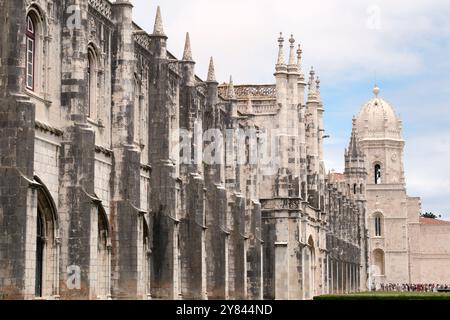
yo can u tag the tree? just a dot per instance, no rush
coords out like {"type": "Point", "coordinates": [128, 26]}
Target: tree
{"type": "Point", "coordinates": [430, 215]}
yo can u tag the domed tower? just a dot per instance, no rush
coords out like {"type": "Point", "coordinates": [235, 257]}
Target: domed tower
{"type": "Point", "coordinates": [378, 129]}
{"type": "Point", "coordinates": [379, 132]}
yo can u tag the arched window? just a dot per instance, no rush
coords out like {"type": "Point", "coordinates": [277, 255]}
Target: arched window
{"type": "Point", "coordinates": [361, 188]}
{"type": "Point", "coordinates": [92, 84]}
{"type": "Point", "coordinates": [47, 252]}
{"type": "Point", "coordinates": [310, 268]}
{"type": "Point", "coordinates": [377, 224]}
{"type": "Point", "coordinates": [355, 188]}
{"type": "Point", "coordinates": [31, 52]}
{"type": "Point", "coordinates": [377, 174]}
{"type": "Point", "coordinates": [137, 112]}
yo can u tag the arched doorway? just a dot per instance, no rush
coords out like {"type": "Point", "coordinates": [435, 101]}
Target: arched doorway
{"type": "Point", "coordinates": [40, 243]}
{"type": "Point", "coordinates": [47, 247]}
{"type": "Point", "coordinates": [103, 255]}
{"type": "Point", "coordinates": [378, 259]}
{"type": "Point", "coordinates": [312, 265]}
{"type": "Point", "coordinates": [146, 258]}
{"type": "Point", "coordinates": [309, 269]}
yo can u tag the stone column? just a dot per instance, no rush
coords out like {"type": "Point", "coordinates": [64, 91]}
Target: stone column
{"type": "Point", "coordinates": [254, 255]}
{"type": "Point", "coordinates": [76, 193]}
{"type": "Point", "coordinates": [125, 213]}
{"type": "Point", "coordinates": [18, 199]}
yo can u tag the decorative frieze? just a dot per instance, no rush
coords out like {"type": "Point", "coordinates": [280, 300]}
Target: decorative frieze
{"type": "Point", "coordinates": [47, 128]}
{"type": "Point", "coordinates": [281, 204]}
{"type": "Point", "coordinates": [102, 6]}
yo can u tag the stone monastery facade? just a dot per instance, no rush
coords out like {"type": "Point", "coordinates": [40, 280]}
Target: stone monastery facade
{"type": "Point", "coordinates": [95, 203]}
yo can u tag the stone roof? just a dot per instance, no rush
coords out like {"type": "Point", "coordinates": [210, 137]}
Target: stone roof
{"type": "Point", "coordinates": [377, 119]}
{"type": "Point", "coordinates": [337, 176]}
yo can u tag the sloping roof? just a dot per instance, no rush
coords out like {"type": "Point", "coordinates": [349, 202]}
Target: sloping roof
{"type": "Point", "coordinates": [430, 221]}
{"type": "Point", "coordinates": [337, 175]}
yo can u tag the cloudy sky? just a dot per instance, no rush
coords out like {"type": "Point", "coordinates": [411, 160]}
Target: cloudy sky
{"type": "Point", "coordinates": [403, 45]}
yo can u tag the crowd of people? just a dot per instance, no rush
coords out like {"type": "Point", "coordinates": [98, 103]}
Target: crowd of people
{"type": "Point", "coordinates": [413, 287]}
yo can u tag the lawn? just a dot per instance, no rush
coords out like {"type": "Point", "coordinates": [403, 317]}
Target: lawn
{"type": "Point", "coordinates": [387, 296]}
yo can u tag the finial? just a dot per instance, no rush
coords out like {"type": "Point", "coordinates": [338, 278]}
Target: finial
{"type": "Point", "coordinates": [280, 52]}
{"type": "Point", "coordinates": [299, 55]}
{"type": "Point", "coordinates": [158, 29]}
{"type": "Point", "coordinates": [292, 40]}
{"type": "Point", "coordinates": [292, 51]}
{"type": "Point", "coordinates": [311, 76]}
{"type": "Point", "coordinates": [299, 62]}
{"type": "Point", "coordinates": [187, 54]}
{"type": "Point", "coordinates": [312, 82]}
{"type": "Point", "coordinates": [376, 90]}
{"type": "Point", "coordinates": [211, 72]}
{"type": "Point", "coordinates": [318, 83]}
{"type": "Point", "coordinates": [231, 94]}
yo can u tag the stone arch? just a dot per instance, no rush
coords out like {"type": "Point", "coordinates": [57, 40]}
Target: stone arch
{"type": "Point", "coordinates": [93, 67]}
{"type": "Point", "coordinates": [103, 262]}
{"type": "Point", "coordinates": [377, 223]}
{"type": "Point", "coordinates": [137, 110]}
{"type": "Point", "coordinates": [309, 268]}
{"type": "Point", "coordinates": [47, 244]}
{"type": "Point", "coordinates": [146, 252]}
{"type": "Point", "coordinates": [378, 259]}
{"type": "Point", "coordinates": [39, 45]}
{"type": "Point", "coordinates": [378, 174]}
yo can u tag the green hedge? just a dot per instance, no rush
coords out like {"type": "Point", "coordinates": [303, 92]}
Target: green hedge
{"type": "Point", "coordinates": [387, 296]}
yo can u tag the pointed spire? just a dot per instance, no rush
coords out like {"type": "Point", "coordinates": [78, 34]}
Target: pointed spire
{"type": "Point", "coordinates": [231, 93]}
{"type": "Point", "coordinates": [299, 55]}
{"type": "Point", "coordinates": [313, 93]}
{"type": "Point", "coordinates": [353, 149]}
{"type": "Point", "coordinates": [187, 54]}
{"type": "Point", "coordinates": [158, 29]}
{"type": "Point", "coordinates": [292, 51]}
{"type": "Point", "coordinates": [318, 89]}
{"type": "Point", "coordinates": [280, 60]}
{"type": "Point", "coordinates": [299, 61]}
{"type": "Point", "coordinates": [312, 82]}
{"type": "Point", "coordinates": [211, 72]}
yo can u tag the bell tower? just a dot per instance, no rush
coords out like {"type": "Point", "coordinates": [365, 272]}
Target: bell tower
{"type": "Point", "coordinates": [378, 129]}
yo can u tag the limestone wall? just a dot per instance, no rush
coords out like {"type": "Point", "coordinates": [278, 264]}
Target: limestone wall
{"type": "Point", "coordinates": [431, 262]}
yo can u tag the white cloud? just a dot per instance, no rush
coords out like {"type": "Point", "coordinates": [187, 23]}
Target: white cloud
{"type": "Point", "coordinates": [407, 47]}
{"type": "Point", "coordinates": [241, 35]}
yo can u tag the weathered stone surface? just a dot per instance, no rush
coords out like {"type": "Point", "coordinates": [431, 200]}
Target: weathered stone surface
{"type": "Point", "coordinates": [90, 151]}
